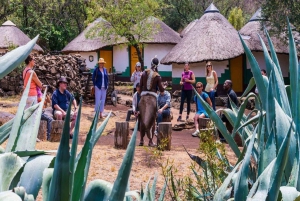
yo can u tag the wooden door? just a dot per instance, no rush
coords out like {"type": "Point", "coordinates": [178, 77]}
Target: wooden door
{"type": "Point", "coordinates": [107, 55]}
{"type": "Point", "coordinates": [133, 59]}
{"type": "Point", "coordinates": [236, 73]}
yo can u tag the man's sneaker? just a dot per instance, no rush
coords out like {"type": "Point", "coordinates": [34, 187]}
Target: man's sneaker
{"type": "Point", "coordinates": [196, 133]}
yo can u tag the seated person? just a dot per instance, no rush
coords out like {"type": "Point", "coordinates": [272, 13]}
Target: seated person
{"type": "Point", "coordinates": [135, 103]}
{"type": "Point", "coordinates": [61, 99]}
{"type": "Point", "coordinates": [201, 113]}
{"type": "Point", "coordinates": [164, 105]}
{"type": "Point", "coordinates": [45, 117]}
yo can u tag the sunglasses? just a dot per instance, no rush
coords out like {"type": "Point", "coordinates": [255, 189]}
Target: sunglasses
{"type": "Point", "coordinates": [199, 87]}
{"type": "Point", "coordinates": [208, 65]}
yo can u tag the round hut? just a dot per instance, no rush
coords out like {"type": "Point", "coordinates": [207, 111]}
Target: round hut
{"type": "Point", "coordinates": [11, 36]}
{"type": "Point", "coordinates": [188, 28]}
{"type": "Point", "coordinates": [212, 38]}
{"type": "Point", "coordinates": [159, 43]}
{"type": "Point", "coordinates": [250, 35]}
{"type": "Point", "coordinates": [91, 48]}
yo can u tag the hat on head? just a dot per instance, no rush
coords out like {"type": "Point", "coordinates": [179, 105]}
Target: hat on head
{"type": "Point", "coordinates": [138, 64]}
{"type": "Point", "coordinates": [101, 61]}
{"type": "Point", "coordinates": [62, 79]}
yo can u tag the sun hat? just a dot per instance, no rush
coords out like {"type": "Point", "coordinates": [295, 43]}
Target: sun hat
{"type": "Point", "coordinates": [62, 79]}
{"type": "Point", "coordinates": [101, 61]}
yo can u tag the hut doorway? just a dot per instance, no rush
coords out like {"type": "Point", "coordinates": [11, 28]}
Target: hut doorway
{"type": "Point", "coordinates": [133, 58]}
{"type": "Point", "coordinates": [107, 55]}
{"type": "Point", "coordinates": [236, 74]}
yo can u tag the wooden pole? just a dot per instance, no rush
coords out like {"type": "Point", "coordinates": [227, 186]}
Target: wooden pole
{"type": "Point", "coordinates": [122, 135]}
{"type": "Point", "coordinates": [56, 130]}
{"type": "Point", "coordinates": [164, 135]}
{"type": "Point", "coordinates": [42, 135]}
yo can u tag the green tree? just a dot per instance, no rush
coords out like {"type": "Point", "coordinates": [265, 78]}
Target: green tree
{"type": "Point", "coordinates": [236, 18]}
{"type": "Point", "coordinates": [129, 21]}
{"type": "Point", "coordinates": [276, 12]}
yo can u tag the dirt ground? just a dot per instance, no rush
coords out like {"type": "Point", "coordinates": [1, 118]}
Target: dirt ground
{"type": "Point", "coordinates": [106, 160]}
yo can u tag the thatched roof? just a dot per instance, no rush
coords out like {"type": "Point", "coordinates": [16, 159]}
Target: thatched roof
{"type": "Point", "coordinates": [254, 26]}
{"type": "Point", "coordinates": [10, 34]}
{"type": "Point", "coordinates": [163, 35]}
{"type": "Point", "coordinates": [188, 28]}
{"type": "Point", "coordinates": [83, 44]}
{"type": "Point", "coordinates": [211, 38]}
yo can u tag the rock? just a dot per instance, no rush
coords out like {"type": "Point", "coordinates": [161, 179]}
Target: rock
{"type": "Point", "coordinates": [177, 93]}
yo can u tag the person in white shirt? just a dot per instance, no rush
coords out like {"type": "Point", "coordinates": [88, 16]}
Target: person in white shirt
{"type": "Point", "coordinates": [136, 75]}
{"type": "Point", "coordinates": [135, 102]}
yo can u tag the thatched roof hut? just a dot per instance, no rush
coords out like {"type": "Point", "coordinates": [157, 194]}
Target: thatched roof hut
{"type": "Point", "coordinates": [10, 34]}
{"type": "Point", "coordinates": [211, 38]}
{"type": "Point", "coordinates": [163, 34]}
{"type": "Point", "coordinates": [254, 26]}
{"type": "Point", "coordinates": [188, 28]}
{"type": "Point", "coordinates": [83, 44]}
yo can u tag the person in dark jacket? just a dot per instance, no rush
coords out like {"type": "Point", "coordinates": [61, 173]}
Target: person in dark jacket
{"type": "Point", "coordinates": [100, 81]}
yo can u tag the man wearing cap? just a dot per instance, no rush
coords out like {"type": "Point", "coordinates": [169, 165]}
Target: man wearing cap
{"type": "Point", "coordinates": [61, 99]}
{"type": "Point", "coordinates": [100, 81]}
{"type": "Point", "coordinates": [150, 83]}
{"type": "Point", "coordinates": [136, 75]}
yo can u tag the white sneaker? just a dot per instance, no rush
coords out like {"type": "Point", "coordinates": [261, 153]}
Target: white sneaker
{"type": "Point", "coordinates": [196, 133]}
{"type": "Point", "coordinates": [155, 133]}
{"type": "Point", "coordinates": [38, 140]}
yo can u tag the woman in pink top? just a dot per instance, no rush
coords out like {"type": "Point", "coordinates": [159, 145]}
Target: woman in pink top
{"type": "Point", "coordinates": [35, 82]}
{"type": "Point", "coordinates": [187, 81]}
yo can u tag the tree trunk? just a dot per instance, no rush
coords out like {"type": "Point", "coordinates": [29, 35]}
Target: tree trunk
{"type": "Point", "coordinates": [42, 135]}
{"type": "Point", "coordinates": [122, 137]}
{"type": "Point", "coordinates": [56, 130]}
{"type": "Point", "coordinates": [164, 135]}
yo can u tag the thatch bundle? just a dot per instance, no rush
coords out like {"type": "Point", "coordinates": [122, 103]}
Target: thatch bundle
{"type": "Point", "coordinates": [211, 38]}
{"type": "Point", "coordinates": [255, 26]}
{"type": "Point", "coordinates": [13, 36]}
{"type": "Point", "coordinates": [188, 28]}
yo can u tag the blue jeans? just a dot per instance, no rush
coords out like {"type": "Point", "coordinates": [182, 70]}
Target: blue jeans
{"type": "Point", "coordinates": [211, 95]}
{"type": "Point", "coordinates": [49, 121]}
{"type": "Point", "coordinates": [160, 117]}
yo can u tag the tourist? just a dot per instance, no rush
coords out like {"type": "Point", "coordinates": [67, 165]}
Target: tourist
{"type": "Point", "coordinates": [232, 95]}
{"type": "Point", "coordinates": [135, 103]}
{"type": "Point", "coordinates": [211, 83]}
{"type": "Point", "coordinates": [164, 105]}
{"type": "Point", "coordinates": [136, 75]}
{"type": "Point", "coordinates": [35, 82]}
{"type": "Point", "coordinates": [46, 117]}
{"type": "Point", "coordinates": [187, 81]}
{"type": "Point", "coordinates": [264, 74]}
{"type": "Point", "coordinates": [201, 113]}
{"type": "Point", "coordinates": [61, 99]}
{"type": "Point", "coordinates": [100, 81]}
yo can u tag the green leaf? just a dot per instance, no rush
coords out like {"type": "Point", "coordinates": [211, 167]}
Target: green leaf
{"type": "Point", "coordinates": [13, 59]}
{"type": "Point", "coordinates": [29, 153]}
{"type": "Point", "coordinates": [84, 159]}
{"type": "Point", "coordinates": [251, 84]}
{"type": "Point", "coordinates": [47, 176]}
{"type": "Point", "coordinates": [74, 146]}
{"type": "Point", "coordinates": [9, 196]}
{"type": "Point", "coordinates": [273, 53]}
{"type": "Point", "coordinates": [59, 186]}
{"type": "Point", "coordinates": [119, 188]}
{"type": "Point", "coordinates": [219, 124]}
{"type": "Point", "coordinates": [269, 153]}
{"type": "Point", "coordinates": [279, 167]}
{"type": "Point", "coordinates": [241, 183]}
{"type": "Point", "coordinates": [6, 128]}
{"type": "Point", "coordinates": [163, 191]}
{"type": "Point", "coordinates": [20, 191]}
{"type": "Point", "coordinates": [98, 190]}
{"type": "Point", "coordinates": [153, 188]}
{"type": "Point", "coordinates": [9, 165]}
{"type": "Point", "coordinates": [256, 73]}
{"type": "Point", "coordinates": [289, 193]}
{"type": "Point", "coordinates": [16, 127]}
{"type": "Point", "coordinates": [28, 133]}
{"type": "Point", "coordinates": [221, 192]}
{"type": "Point", "coordinates": [270, 110]}
{"type": "Point", "coordinates": [33, 182]}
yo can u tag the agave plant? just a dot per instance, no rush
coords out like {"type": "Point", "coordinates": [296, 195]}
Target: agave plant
{"type": "Point", "coordinates": [268, 166]}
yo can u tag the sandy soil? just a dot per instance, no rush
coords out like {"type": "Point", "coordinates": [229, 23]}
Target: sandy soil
{"type": "Point", "coordinates": [106, 160]}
